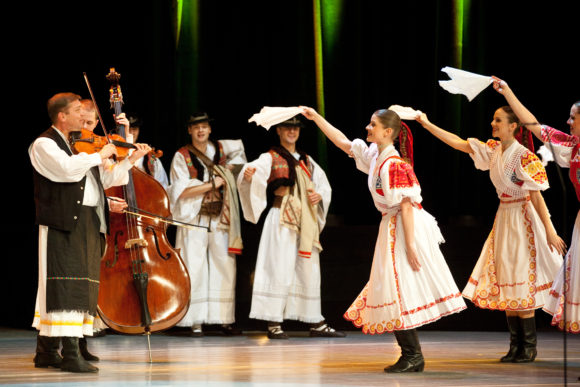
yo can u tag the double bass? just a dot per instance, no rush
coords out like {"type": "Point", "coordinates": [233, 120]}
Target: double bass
{"type": "Point", "coordinates": [145, 285]}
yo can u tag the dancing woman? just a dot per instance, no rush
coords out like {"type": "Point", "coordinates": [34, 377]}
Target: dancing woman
{"type": "Point", "coordinates": [565, 148]}
{"type": "Point", "coordinates": [410, 284]}
{"type": "Point", "coordinates": [521, 255]}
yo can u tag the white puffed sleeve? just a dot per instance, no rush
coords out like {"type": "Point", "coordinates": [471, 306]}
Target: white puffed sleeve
{"type": "Point", "coordinates": [322, 187]}
{"type": "Point", "coordinates": [532, 173]}
{"type": "Point", "coordinates": [482, 152]}
{"type": "Point", "coordinates": [184, 209]}
{"type": "Point", "coordinates": [559, 144]}
{"type": "Point", "coordinates": [234, 151]}
{"type": "Point", "coordinates": [363, 154]}
{"type": "Point", "coordinates": [253, 196]}
{"type": "Point", "coordinates": [398, 182]}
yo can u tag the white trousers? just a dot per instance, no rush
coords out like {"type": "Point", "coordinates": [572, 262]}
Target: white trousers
{"type": "Point", "coordinates": [286, 287]}
{"type": "Point", "coordinates": [212, 272]}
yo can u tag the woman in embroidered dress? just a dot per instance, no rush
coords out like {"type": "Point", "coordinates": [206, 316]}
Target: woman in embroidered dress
{"type": "Point", "coordinates": [565, 148]}
{"type": "Point", "coordinates": [521, 256]}
{"type": "Point", "coordinates": [410, 284]}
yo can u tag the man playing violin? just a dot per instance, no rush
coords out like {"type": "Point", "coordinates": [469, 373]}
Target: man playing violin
{"type": "Point", "coordinates": [72, 215]}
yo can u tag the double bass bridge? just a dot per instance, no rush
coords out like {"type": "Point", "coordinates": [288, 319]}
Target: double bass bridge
{"type": "Point", "coordinates": [138, 242]}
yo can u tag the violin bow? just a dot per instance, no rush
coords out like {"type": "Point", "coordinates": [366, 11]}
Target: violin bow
{"type": "Point", "coordinates": [96, 107]}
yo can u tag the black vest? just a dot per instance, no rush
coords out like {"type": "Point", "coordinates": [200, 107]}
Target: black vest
{"type": "Point", "coordinates": [58, 204]}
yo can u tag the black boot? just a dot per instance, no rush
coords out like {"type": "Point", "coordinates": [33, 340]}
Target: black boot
{"type": "Point", "coordinates": [47, 352]}
{"type": "Point", "coordinates": [72, 361]}
{"type": "Point", "coordinates": [83, 347]}
{"type": "Point", "coordinates": [528, 351]}
{"type": "Point", "coordinates": [515, 339]}
{"type": "Point", "coordinates": [411, 359]}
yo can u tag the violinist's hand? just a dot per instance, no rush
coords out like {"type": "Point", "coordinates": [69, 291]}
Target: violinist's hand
{"type": "Point", "coordinates": [313, 196]}
{"type": "Point", "coordinates": [117, 205]}
{"type": "Point", "coordinates": [142, 150]}
{"type": "Point", "coordinates": [248, 173]}
{"type": "Point", "coordinates": [108, 151]}
{"type": "Point", "coordinates": [122, 120]}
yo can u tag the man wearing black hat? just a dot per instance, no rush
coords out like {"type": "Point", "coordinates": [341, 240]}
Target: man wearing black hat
{"type": "Point", "coordinates": [203, 192]}
{"type": "Point", "coordinates": [287, 275]}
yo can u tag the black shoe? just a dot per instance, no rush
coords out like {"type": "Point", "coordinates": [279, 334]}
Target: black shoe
{"type": "Point", "coordinates": [325, 331]}
{"type": "Point", "coordinates": [47, 352]}
{"type": "Point", "coordinates": [528, 351]}
{"type": "Point", "coordinates": [83, 347]}
{"type": "Point", "coordinates": [230, 330]}
{"type": "Point", "coordinates": [515, 339]}
{"type": "Point", "coordinates": [277, 333]}
{"type": "Point", "coordinates": [100, 333]}
{"type": "Point", "coordinates": [411, 359]}
{"type": "Point", "coordinates": [72, 360]}
{"type": "Point", "coordinates": [196, 331]}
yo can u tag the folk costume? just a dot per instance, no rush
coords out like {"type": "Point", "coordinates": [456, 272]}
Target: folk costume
{"type": "Point", "coordinates": [566, 153]}
{"type": "Point", "coordinates": [153, 166]}
{"type": "Point", "coordinates": [72, 214]}
{"type": "Point", "coordinates": [516, 267]}
{"type": "Point", "coordinates": [208, 253]}
{"type": "Point", "coordinates": [397, 298]}
{"type": "Point", "coordinates": [287, 275]}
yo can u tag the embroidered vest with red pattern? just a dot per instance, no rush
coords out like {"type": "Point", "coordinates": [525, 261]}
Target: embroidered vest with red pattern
{"type": "Point", "coordinates": [193, 172]}
{"type": "Point", "coordinates": [401, 175]}
{"type": "Point", "coordinates": [575, 170]}
{"type": "Point", "coordinates": [280, 169]}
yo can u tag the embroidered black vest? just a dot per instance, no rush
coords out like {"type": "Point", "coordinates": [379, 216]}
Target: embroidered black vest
{"type": "Point", "coordinates": [58, 204]}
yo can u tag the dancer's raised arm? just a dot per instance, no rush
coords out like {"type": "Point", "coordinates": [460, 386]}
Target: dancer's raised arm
{"type": "Point", "coordinates": [448, 138]}
{"type": "Point", "coordinates": [524, 115]}
{"type": "Point", "coordinates": [336, 136]}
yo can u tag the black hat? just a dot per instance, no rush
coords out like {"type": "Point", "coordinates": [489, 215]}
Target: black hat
{"type": "Point", "coordinates": [134, 120]}
{"type": "Point", "coordinates": [198, 117]}
{"type": "Point", "coordinates": [294, 121]}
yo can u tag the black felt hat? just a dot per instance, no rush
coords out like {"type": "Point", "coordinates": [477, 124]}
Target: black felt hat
{"type": "Point", "coordinates": [198, 117]}
{"type": "Point", "coordinates": [294, 121]}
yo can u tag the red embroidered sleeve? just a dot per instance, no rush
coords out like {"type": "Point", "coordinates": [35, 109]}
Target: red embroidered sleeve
{"type": "Point", "coordinates": [533, 167]}
{"type": "Point", "coordinates": [559, 138]}
{"type": "Point", "coordinates": [401, 175]}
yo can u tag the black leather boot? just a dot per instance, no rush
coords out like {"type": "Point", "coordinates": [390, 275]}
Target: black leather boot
{"type": "Point", "coordinates": [411, 359]}
{"type": "Point", "coordinates": [47, 352]}
{"type": "Point", "coordinates": [528, 351]}
{"type": "Point", "coordinates": [83, 347]}
{"type": "Point", "coordinates": [72, 361]}
{"type": "Point", "coordinates": [515, 339]}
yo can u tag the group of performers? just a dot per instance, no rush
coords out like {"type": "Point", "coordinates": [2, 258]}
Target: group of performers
{"type": "Point", "coordinates": [212, 184]}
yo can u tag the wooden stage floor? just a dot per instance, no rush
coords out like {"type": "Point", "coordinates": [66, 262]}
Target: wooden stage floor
{"type": "Point", "coordinates": [452, 359]}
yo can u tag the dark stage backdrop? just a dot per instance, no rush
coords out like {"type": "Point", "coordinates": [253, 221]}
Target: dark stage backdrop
{"type": "Point", "coordinates": [246, 55]}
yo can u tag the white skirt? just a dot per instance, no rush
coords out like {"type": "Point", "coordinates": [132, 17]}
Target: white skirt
{"type": "Point", "coordinates": [397, 297]}
{"type": "Point", "coordinates": [516, 267]}
{"type": "Point", "coordinates": [568, 278]}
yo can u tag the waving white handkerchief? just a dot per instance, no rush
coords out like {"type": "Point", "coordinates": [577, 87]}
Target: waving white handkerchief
{"type": "Point", "coordinates": [270, 116]}
{"type": "Point", "coordinates": [405, 112]}
{"type": "Point", "coordinates": [464, 82]}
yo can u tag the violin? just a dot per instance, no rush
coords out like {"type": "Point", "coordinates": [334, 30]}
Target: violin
{"type": "Point", "coordinates": [88, 142]}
